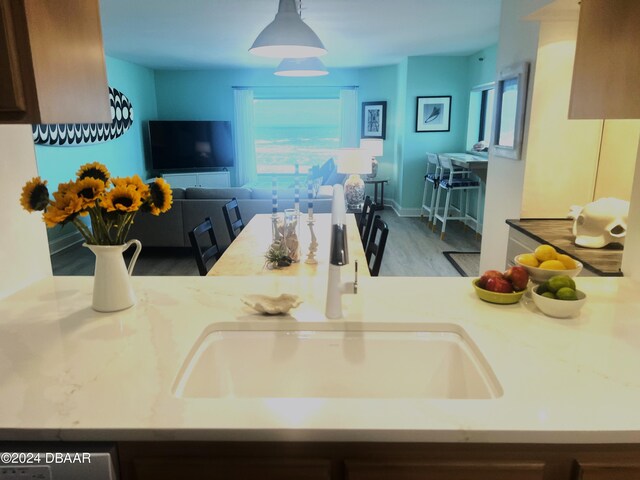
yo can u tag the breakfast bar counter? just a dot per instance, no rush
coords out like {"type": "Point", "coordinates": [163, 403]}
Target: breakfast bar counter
{"type": "Point", "coordinates": [69, 373]}
{"type": "Point", "coordinates": [557, 232]}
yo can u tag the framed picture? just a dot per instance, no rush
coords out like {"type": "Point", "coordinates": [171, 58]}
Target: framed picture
{"type": "Point", "coordinates": [511, 100]}
{"type": "Point", "coordinates": [433, 114]}
{"type": "Point", "coordinates": [374, 120]}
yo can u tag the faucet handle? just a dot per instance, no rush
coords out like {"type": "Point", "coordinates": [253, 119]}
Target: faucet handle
{"type": "Point", "coordinates": [355, 282]}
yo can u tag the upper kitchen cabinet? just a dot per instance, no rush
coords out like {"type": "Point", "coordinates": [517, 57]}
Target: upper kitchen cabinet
{"type": "Point", "coordinates": [607, 64]}
{"type": "Point", "coordinates": [52, 66]}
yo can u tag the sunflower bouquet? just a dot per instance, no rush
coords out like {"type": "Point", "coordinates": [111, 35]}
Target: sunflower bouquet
{"type": "Point", "coordinates": [110, 203]}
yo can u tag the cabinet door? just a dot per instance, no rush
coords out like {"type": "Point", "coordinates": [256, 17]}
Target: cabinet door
{"type": "Point", "coordinates": [236, 469]}
{"type": "Point", "coordinates": [12, 100]}
{"type": "Point", "coordinates": [213, 180]}
{"type": "Point", "coordinates": [362, 470]}
{"type": "Point", "coordinates": [52, 66]}
{"type": "Point", "coordinates": [607, 470]}
{"type": "Point", "coordinates": [607, 64]}
{"type": "Point", "coordinates": [183, 180]}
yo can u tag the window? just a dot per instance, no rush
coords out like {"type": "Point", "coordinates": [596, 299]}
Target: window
{"type": "Point", "coordinates": [290, 132]}
{"type": "Point", "coordinates": [480, 120]}
{"type": "Point", "coordinates": [486, 115]}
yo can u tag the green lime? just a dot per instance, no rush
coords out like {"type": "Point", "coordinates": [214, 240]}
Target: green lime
{"type": "Point", "coordinates": [566, 293]}
{"type": "Point", "coordinates": [557, 282]}
{"type": "Point", "coordinates": [543, 288]}
{"type": "Point", "coordinates": [548, 295]}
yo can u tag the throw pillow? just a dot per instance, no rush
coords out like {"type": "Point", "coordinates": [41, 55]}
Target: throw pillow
{"type": "Point", "coordinates": [335, 177]}
{"type": "Point", "coordinates": [323, 171]}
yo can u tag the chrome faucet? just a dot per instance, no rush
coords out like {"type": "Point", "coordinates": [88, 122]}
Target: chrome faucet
{"type": "Point", "coordinates": [338, 257]}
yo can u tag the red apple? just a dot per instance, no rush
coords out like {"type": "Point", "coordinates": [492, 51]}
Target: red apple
{"type": "Point", "coordinates": [482, 283]}
{"type": "Point", "coordinates": [518, 276]}
{"type": "Point", "coordinates": [500, 285]}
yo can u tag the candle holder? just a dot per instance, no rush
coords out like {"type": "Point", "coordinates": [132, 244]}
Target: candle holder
{"type": "Point", "coordinates": [313, 246]}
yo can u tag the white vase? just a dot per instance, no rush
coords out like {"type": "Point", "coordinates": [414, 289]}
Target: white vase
{"type": "Point", "coordinates": [112, 289]}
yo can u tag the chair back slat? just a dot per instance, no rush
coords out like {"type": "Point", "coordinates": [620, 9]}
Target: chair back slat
{"type": "Point", "coordinates": [203, 253]}
{"type": "Point", "coordinates": [234, 227]}
{"type": "Point", "coordinates": [376, 246]}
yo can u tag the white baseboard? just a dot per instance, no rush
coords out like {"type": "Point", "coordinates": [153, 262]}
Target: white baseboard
{"type": "Point", "coordinates": [401, 212]}
{"type": "Point", "coordinates": [61, 243]}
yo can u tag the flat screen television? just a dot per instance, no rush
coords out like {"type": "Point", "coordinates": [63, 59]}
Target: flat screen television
{"type": "Point", "coordinates": [190, 145]}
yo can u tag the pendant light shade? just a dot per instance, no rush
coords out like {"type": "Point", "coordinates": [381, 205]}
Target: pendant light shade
{"type": "Point", "coordinates": [301, 67]}
{"type": "Point", "coordinates": [287, 36]}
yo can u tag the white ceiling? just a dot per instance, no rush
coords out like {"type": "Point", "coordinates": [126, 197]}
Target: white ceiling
{"type": "Point", "coordinates": [199, 34]}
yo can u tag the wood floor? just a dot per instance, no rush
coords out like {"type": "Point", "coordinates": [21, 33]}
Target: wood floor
{"type": "Point", "coordinates": [412, 250]}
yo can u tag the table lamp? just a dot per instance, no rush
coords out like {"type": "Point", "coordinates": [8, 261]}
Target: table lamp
{"type": "Point", "coordinates": [374, 148]}
{"type": "Point", "coordinates": [354, 162]}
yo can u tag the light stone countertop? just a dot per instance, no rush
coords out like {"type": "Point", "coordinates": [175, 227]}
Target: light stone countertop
{"type": "Point", "coordinates": [69, 373]}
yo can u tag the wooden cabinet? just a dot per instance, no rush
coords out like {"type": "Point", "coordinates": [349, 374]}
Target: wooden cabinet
{"type": "Point", "coordinates": [376, 461]}
{"type": "Point", "coordinates": [237, 469]}
{"type": "Point", "coordinates": [200, 179]}
{"type": "Point", "coordinates": [607, 64]}
{"type": "Point", "coordinates": [52, 66]}
{"type": "Point", "coordinates": [444, 470]}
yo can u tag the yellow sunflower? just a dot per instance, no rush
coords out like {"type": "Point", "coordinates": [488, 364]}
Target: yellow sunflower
{"type": "Point", "coordinates": [64, 209]}
{"type": "Point", "coordinates": [89, 190]}
{"type": "Point", "coordinates": [161, 196]}
{"type": "Point", "coordinates": [63, 188]}
{"type": "Point", "coordinates": [35, 195]}
{"type": "Point", "coordinates": [135, 182]}
{"type": "Point", "coordinates": [94, 170]}
{"type": "Point", "coordinates": [122, 199]}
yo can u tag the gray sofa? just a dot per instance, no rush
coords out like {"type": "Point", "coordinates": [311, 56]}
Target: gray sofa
{"type": "Point", "coordinates": [192, 205]}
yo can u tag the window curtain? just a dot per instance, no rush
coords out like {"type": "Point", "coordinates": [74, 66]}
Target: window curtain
{"type": "Point", "coordinates": [246, 171]}
{"type": "Point", "coordinates": [349, 118]}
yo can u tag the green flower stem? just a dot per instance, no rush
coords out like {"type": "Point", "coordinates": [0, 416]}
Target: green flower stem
{"type": "Point", "coordinates": [84, 231]}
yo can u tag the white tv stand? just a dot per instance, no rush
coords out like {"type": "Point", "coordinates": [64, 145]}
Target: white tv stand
{"type": "Point", "coordinates": [198, 179]}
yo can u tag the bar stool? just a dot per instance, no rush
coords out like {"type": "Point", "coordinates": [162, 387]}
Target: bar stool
{"type": "Point", "coordinates": [459, 180]}
{"type": "Point", "coordinates": [431, 181]}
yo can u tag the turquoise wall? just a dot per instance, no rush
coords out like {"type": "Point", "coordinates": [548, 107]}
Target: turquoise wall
{"type": "Point", "coordinates": [431, 76]}
{"type": "Point", "coordinates": [123, 156]}
{"type": "Point", "coordinates": [379, 84]}
{"type": "Point", "coordinates": [208, 95]}
{"type": "Point", "coordinates": [482, 71]}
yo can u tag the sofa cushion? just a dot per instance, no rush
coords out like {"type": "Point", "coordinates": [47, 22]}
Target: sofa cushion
{"type": "Point", "coordinates": [264, 193]}
{"type": "Point", "coordinates": [217, 193]}
{"type": "Point", "coordinates": [178, 193]}
{"type": "Point", "coordinates": [325, 191]}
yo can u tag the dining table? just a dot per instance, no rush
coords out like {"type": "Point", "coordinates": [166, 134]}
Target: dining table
{"type": "Point", "coordinates": [246, 254]}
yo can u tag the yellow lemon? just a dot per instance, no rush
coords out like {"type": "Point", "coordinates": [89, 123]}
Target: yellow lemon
{"type": "Point", "coordinates": [568, 262]}
{"type": "Point", "coordinates": [552, 265]}
{"type": "Point", "coordinates": [545, 252]}
{"type": "Point", "coordinates": [528, 259]}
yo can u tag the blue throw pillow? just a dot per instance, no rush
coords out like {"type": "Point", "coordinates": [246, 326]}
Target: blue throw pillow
{"type": "Point", "coordinates": [324, 171]}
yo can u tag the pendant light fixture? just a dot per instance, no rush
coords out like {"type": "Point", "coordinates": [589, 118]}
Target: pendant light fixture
{"type": "Point", "coordinates": [301, 67]}
{"type": "Point", "coordinates": [287, 36]}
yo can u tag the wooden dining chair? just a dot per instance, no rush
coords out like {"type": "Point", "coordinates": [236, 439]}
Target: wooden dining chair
{"type": "Point", "coordinates": [233, 227]}
{"type": "Point", "coordinates": [376, 245]}
{"type": "Point", "coordinates": [201, 251]}
{"type": "Point", "coordinates": [366, 220]}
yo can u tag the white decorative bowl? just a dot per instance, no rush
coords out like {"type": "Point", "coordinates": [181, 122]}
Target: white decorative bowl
{"type": "Point", "coordinates": [541, 275]}
{"type": "Point", "coordinates": [558, 308]}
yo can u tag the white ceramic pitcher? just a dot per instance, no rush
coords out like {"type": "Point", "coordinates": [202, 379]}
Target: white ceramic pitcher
{"type": "Point", "coordinates": [112, 289]}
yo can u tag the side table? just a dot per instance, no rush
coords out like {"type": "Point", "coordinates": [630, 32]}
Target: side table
{"type": "Point", "coordinates": [375, 183]}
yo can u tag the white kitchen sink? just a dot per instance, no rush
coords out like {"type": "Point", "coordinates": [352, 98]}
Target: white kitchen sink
{"type": "Point", "coordinates": [436, 362]}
